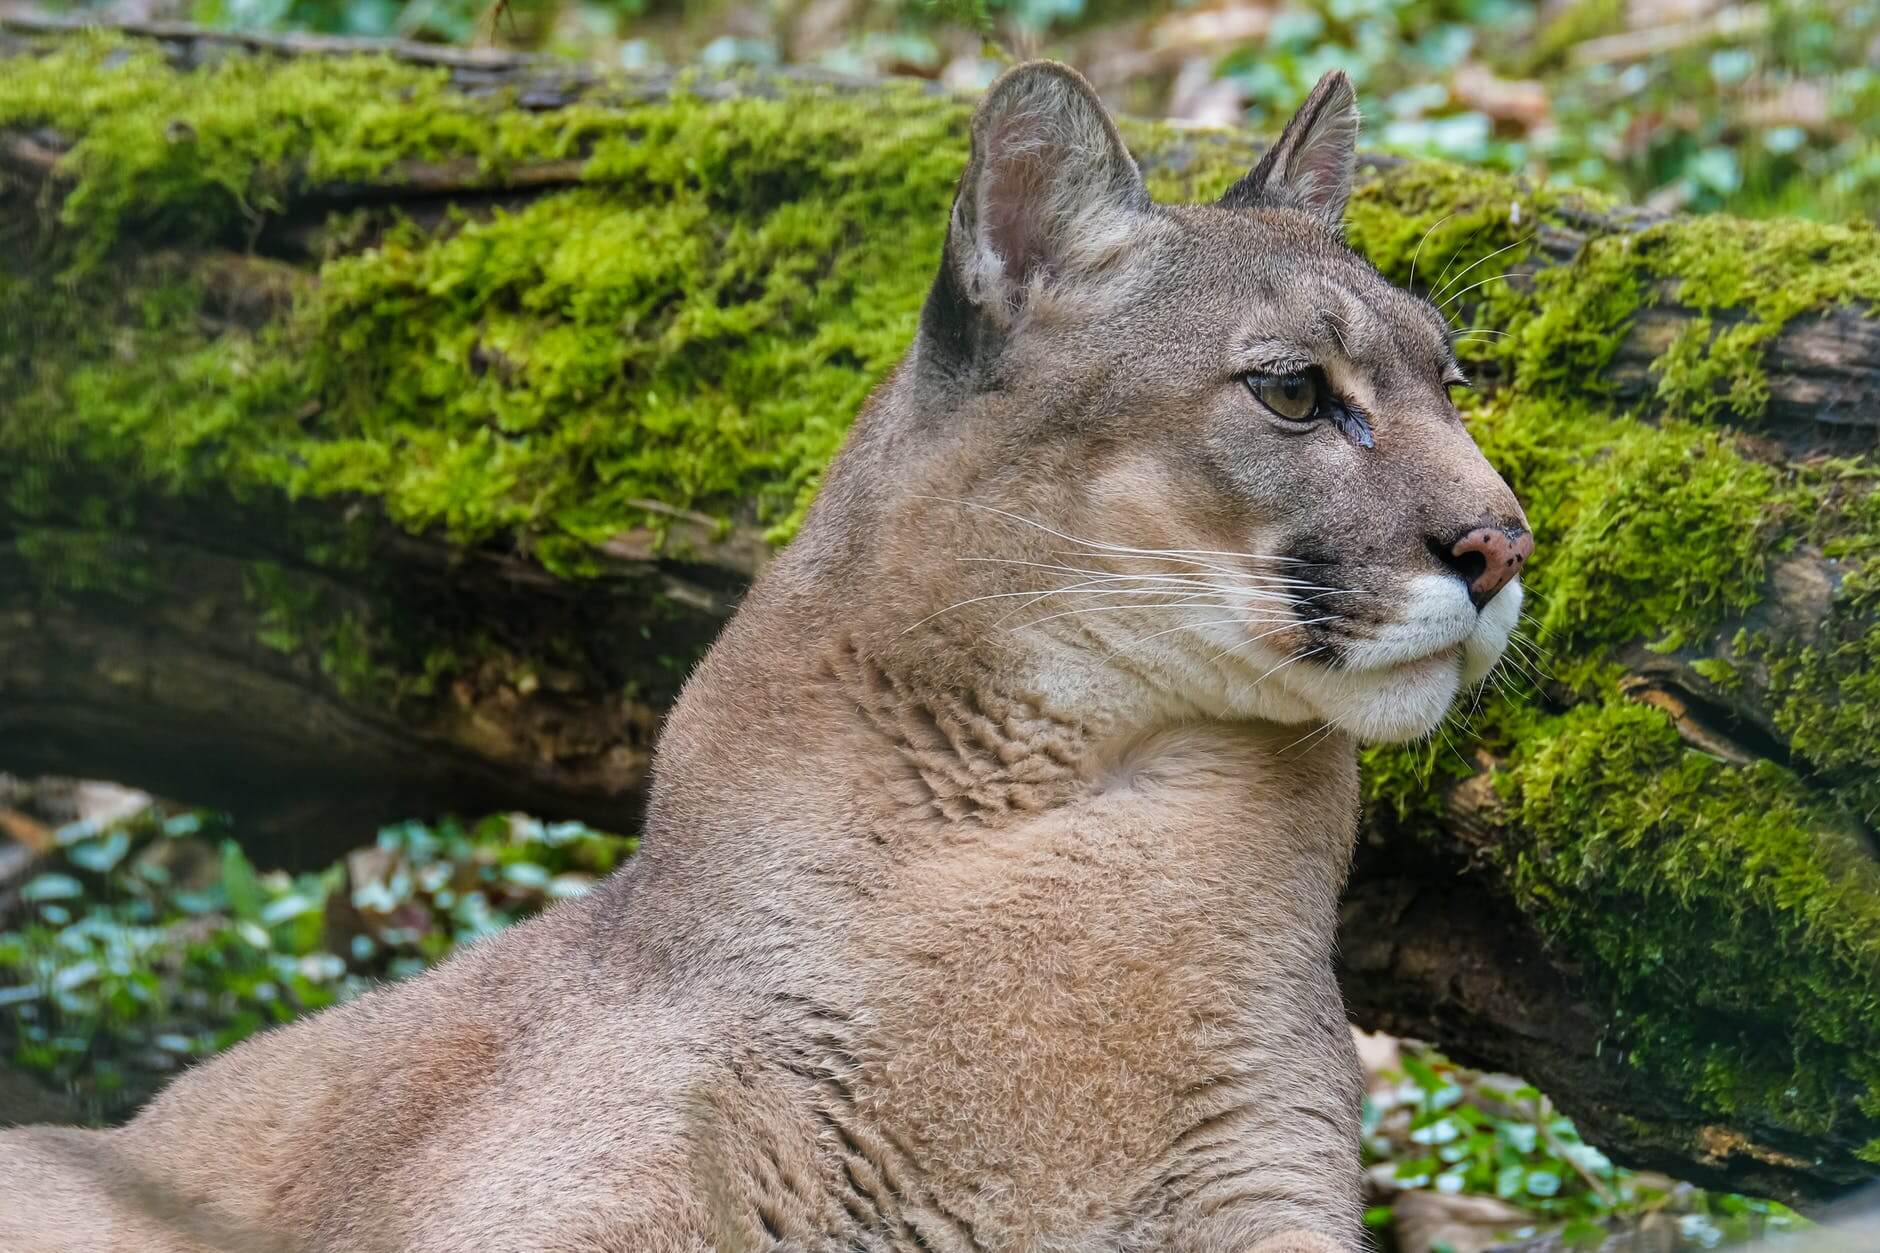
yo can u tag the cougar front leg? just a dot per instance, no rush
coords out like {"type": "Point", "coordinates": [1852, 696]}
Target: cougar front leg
{"type": "Point", "coordinates": [1270, 1162]}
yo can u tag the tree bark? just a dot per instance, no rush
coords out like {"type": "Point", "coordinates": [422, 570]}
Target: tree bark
{"type": "Point", "coordinates": [199, 687]}
{"type": "Point", "coordinates": [185, 699]}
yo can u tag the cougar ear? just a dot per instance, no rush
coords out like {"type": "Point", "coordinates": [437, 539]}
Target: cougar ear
{"type": "Point", "coordinates": [1049, 192]}
{"type": "Point", "coordinates": [1311, 165]}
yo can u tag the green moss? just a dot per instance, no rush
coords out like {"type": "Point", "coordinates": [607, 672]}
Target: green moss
{"type": "Point", "coordinates": [1744, 280]}
{"type": "Point", "coordinates": [1731, 916]}
{"type": "Point", "coordinates": [592, 350]}
{"type": "Point", "coordinates": [1668, 535]}
{"type": "Point", "coordinates": [1422, 223]}
{"type": "Point", "coordinates": [1406, 781]}
{"type": "Point", "coordinates": [1186, 166]}
{"type": "Point", "coordinates": [1769, 273]}
{"type": "Point", "coordinates": [83, 561]}
{"type": "Point", "coordinates": [1578, 315]}
{"type": "Point", "coordinates": [1660, 533]}
{"type": "Point", "coordinates": [1451, 227]}
{"type": "Point", "coordinates": [696, 327]}
{"type": "Point", "coordinates": [1826, 695]}
{"type": "Point", "coordinates": [195, 155]}
{"type": "Point", "coordinates": [1665, 535]}
{"type": "Point", "coordinates": [603, 346]}
{"type": "Point", "coordinates": [1719, 671]}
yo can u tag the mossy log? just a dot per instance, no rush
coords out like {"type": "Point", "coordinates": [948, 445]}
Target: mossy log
{"type": "Point", "coordinates": [386, 434]}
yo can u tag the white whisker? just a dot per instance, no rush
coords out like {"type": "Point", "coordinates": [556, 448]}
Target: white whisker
{"type": "Point", "coordinates": [1185, 626]}
{"type": "Point", "coordinates": [1256, 639]}
{"type": "Point", "coordinates": [1527, 658]}
{"type": "Point", "coordinates": [1182, 604]}
{"type": "Point", "coordinates": [1276, 579]}
{"type": "Point", "coordinates": [1193, 600]}
{"type": "Point", "coordinates": [1296, 657]}
{"type": "Point", "coordinates": [1471, 287]}
{"type": "Point", "coordinates": [1160, 580]}
{"type": "Point", "coordinates": [1451, 744]}
{"type": "Point", "coordinates": [1118, 548]}
{"type": "Point", "coordinates": [1080, 589]}
{"type": "Point", "coordinates": [1475, 700]}
{"type": "Point", "coordinates": [1428, 231]}
{"type": "Point", "coordinates": [1464, 273]}
{"type": "Point", "coordinates": [1457, 253]}
{"type": "Point", "coordinates": [1316, 736]}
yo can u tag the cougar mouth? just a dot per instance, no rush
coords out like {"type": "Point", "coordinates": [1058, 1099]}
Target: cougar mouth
{"type": "Point", "coordinates": [1398, 682]}
{"type": "Point", "coordinates": [1437, 658]}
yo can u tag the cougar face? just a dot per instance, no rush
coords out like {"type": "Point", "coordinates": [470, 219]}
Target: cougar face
{"type": "Point", "coordinates": [1222, 444]}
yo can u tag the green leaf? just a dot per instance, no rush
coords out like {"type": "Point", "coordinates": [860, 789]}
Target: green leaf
{"type": "Point", "coordinates": [99, 856]}
{"type": "Point", "coordinates": [75, 976]}
{"type": "Point", "coordinates": [240, 883]}
{"type": "Point", "coordinates": [1521, 1137]}
{"type": "Point", "coordinates": [526, 874]}
{"type": "Point", "coordinates": [182, 824]}
{"type": "Point", "coordinates": [1542, 1183]}
{"type": "Point", "coordinates": [52, 887]}
{"type": "Point", "coordinates": [1583, 1233]}
{"type": "Point", "coordinates": [1425, 1078]}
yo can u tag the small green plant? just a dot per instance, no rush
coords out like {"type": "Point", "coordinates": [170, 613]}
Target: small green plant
{"type": "Point", "coordinates": [1435, 1126]}
{"type": "Point", "coordinates": [1772, 115]}
{"type": "Point", "coordinates": [145, 945]}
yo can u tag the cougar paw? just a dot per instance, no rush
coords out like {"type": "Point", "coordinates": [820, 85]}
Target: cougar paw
{"type": "Point", "coordinates": [1298, 1241]}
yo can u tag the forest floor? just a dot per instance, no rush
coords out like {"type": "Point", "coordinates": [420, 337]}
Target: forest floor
{"type": "Point", "coordinates": [1764, 108]}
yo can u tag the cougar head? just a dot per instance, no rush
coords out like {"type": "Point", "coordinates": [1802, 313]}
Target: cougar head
{"type": "Point", "coordinates": [1210, 443]}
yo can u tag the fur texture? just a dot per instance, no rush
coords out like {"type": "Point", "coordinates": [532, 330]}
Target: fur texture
{"type": "Point", "coordinates": [988, 893]}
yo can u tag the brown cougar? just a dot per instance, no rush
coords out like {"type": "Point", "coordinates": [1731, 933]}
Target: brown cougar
{"type": "Point", "coordinates": [989, 883]}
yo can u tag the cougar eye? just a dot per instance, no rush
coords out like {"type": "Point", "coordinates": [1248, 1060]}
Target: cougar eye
{"type": "Point", "coordinates": [1295, 397]}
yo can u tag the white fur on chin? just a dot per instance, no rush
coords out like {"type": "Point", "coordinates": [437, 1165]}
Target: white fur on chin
{"type": "Point", "coordinates": [1398, 685]}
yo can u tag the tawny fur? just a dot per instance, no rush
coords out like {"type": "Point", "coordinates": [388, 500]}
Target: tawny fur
{"type": "Point", "coordinates": [963, 922]}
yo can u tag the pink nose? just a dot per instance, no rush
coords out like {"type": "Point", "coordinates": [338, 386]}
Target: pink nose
{"type": "Point", "coordinates": [1488, 559]}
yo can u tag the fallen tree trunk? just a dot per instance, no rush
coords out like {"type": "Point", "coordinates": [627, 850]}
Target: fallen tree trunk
{"type": "Point", "coordinates": [386, 437]}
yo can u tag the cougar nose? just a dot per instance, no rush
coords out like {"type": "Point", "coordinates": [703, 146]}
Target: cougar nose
{"type": "Point", "coordinates": [1487, 559]}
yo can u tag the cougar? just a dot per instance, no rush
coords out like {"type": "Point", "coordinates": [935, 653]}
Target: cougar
{"type": "Point", "coordinates": [989, 884]}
